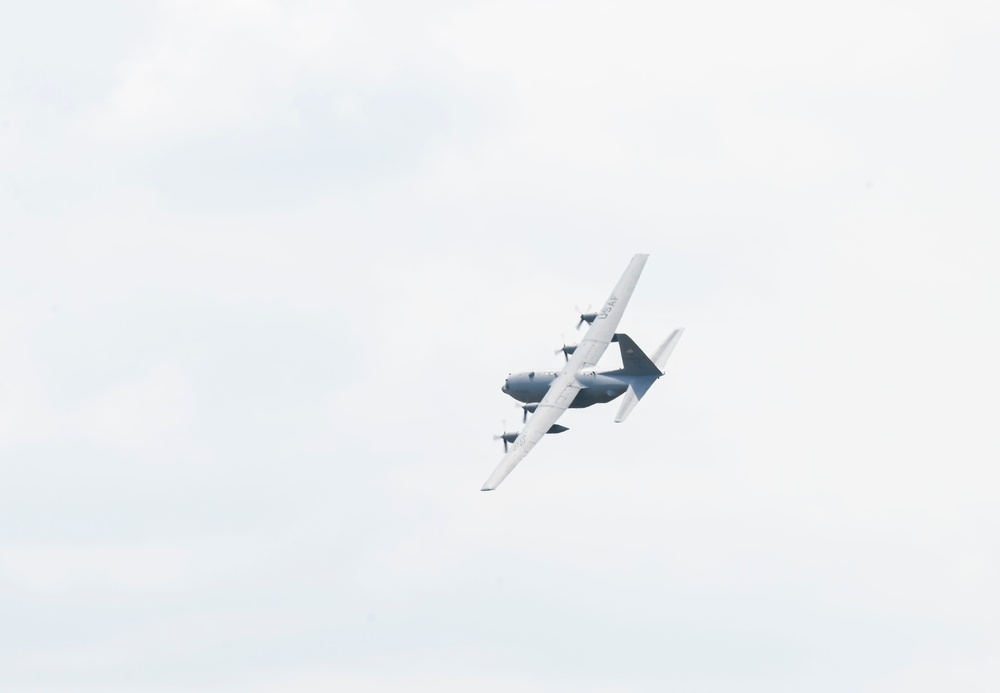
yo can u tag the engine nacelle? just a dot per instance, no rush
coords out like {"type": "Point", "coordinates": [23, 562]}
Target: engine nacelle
{"type": "Point", "coordinates": [567, 350]}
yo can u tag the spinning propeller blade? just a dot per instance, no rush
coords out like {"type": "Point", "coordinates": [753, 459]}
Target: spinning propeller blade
{"type": "Point", "coordinates": [506, 437]}
{"type": "Point", "coordinates": [528, 408]}
{"type": "Point", "coordinates": [565, 350]}
{"type": "Point", "coordinates": [585, 317]}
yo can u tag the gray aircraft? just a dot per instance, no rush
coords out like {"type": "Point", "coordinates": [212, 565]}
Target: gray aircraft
{"type": "Point", "coordinates": [547, 394]}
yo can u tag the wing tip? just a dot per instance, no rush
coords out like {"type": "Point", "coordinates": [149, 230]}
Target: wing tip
{"type": "Point", "coordinates": [484, 488]}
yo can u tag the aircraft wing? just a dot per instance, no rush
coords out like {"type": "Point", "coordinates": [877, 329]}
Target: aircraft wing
{"type": "Point", "coordinates": [595, 342]}
{"type": "Point", "coordinates": [561, 394]}
{"type": "Point", "coordinates": [564, 388]}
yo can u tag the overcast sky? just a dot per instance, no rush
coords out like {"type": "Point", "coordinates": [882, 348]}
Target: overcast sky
{"type": "Point", "coordinates": [265, 265]}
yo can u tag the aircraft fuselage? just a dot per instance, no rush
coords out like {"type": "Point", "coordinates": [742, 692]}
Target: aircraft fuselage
{"type": "Point", "coordinates": [598, 388]}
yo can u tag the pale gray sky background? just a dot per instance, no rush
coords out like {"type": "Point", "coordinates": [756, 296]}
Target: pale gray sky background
{"type": "Point", "coordinates": [264, 266]}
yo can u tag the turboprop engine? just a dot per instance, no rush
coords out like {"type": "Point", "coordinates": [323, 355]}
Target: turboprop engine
{"type": "Point", "coordinates": [585, 317]}
{"type": "Point", "coordinates": [510, 437]}
{"type": "Point", "coordinates": [528, 408]}
{"type": "Point", "coordinates": [566, 350]}
{"type": "Point", "coordinates": [506, 438]}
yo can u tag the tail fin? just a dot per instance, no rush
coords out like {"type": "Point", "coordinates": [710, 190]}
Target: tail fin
{"type": "Point", "coordinates": [634, 361]}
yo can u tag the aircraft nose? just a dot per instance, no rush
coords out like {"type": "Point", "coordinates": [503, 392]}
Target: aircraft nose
{"type": "Point", "coordinates": [504, 388]}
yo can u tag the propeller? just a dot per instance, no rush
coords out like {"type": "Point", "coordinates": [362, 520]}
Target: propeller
{"type": "Point", "coordinates": [585, 317]}
{"type": "Point", "coordinates": [528, 408]}
{"type": "Point", "coordinates": [506, 437]}
{"type": "Point", "coordinates": [565, 350]}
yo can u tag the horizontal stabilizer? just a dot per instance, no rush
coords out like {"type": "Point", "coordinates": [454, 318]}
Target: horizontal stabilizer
{"type": "Point", "coordinates": [661, 355]}
{"type": "Point", "coordinates": [636, 389]}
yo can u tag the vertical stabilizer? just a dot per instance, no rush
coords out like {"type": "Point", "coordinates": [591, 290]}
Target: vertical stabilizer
{"type": "Point", "coordinates": [634, 361]}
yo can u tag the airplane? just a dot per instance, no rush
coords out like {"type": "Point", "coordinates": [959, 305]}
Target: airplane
{"type": "Point", "coordinates": [547, 394]}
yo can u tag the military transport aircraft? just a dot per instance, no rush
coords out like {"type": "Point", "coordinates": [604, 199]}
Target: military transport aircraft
{"type": "Point", "coordinates": [546, 395]}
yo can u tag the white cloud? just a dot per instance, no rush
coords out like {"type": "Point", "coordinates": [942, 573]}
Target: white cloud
{"type": "Point", "coordinates": [219, 64]}
{"type": "Point", "coordinates": [804, 502]}
{"type": "Point", "coordinates": [61, 568]}
{"type": "Point", "coordinates": [142, 415]}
